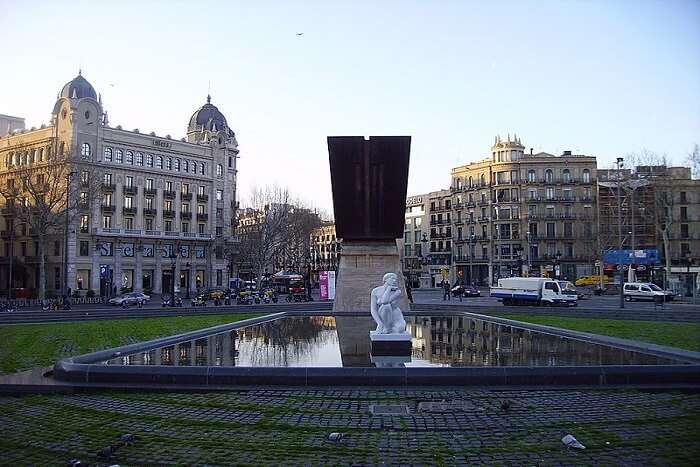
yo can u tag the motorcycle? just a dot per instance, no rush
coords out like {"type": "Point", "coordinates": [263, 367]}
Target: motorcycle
{"type": "Point", "coordinates": [167, 301]}
{"type": "Point", "coordinates": [269, 296]}
{"type": "Point", "coordinates": [199, 301]}
{"type": "Point", "coordinates": [7, 308]}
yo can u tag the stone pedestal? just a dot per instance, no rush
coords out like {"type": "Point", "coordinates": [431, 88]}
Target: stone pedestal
{"type": "Point", "coordinates": [390, 345]}
{"type": "Point", "coordinates": [362, 267]}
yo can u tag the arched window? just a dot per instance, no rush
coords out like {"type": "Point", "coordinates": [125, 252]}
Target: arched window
{"type": "Point", "coordinates": [108, 154]}
{"type": "Point", "coordinates": [129, 157]}
{"type": "Point", "coordinates": [177, 164]}
{"type": "Point", "coordinates": [201, 168]}
{"type": "Point", "coordinates": [531, 176]}
{"type": "Point", "coordinates": [548, 176]}
{"type": "Point", "coordinates": [159, 162]}
{"type": "Point", "coordinates": [24, 158]}
{"type": "Point", "coordinates": [85, 151]}
{"type": "Point", "coordinates": [471, 181]}
{"type": "Point", "coordinates": [139, 158]}
{"type": "Point", "coordinates": [40, 155]}
{"type": "Point", "coordinates": [483, 180]}
{"type": "Point", "coordinates": [219, 170]}
{"type": "Point", "coordinates": [17, 158]}
{"type": "Point", "coordinates": [169, 163]}
{"type": "Point", "coordinates": [149, 160]}
{"type": "Point", "coordinates": [185, 166]}
{"type": "Point", "coordinates": [119, 156]}
{"type": "Point", "coordinates": [586, 176]}
{"type": "Point", "coordinates": [230, 162]}
{"type": "Point", "coordinates": [31, 156]}
{"type": "Point", "coordinates": [566, 175]}
{"type": "Point", "coordinates": [194, 167]}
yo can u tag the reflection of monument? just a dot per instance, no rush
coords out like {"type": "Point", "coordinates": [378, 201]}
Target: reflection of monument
{"type": "Point", "coordinates": [369, 179]}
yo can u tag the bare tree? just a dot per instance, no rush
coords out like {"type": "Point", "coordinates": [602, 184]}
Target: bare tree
{"type": "Point", "coordinates": [36, 194]}
{"type": "Point", "coordinates": [693, 160]}
{"type": "Point", "coordinates": [297, 245]}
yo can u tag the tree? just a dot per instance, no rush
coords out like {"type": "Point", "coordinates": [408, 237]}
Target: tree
{"type": "Point", "coordinates": [36, 196]}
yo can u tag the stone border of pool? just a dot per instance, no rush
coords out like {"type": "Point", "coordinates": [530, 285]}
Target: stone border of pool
{"type": "Point", "coordinates": [84, 369]}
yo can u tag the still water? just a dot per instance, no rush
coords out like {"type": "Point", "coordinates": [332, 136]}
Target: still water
{"type": "Point", "coordinates": [327, 341]}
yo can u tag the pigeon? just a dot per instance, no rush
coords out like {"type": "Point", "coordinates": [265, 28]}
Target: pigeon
{"type": "Point", "coordinates": [335, 437]}
{"type": "Point", "coordinates": [108, 451]}
{"type": "Point", "coordinates": [505, 405]}
{"type": "Point", "coordinates": [127, 438]}
{"type": "Point", "coordinates": [571, 442]}
{"type": "Point", "coordinates": [300, 34]}
{"type": "Point", "coordinates": [75, 463]}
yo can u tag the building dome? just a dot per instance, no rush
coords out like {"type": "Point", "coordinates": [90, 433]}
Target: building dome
{"type": "Point", "coordinates": [208, 117]}
{"type": "Point", "coordinates": [78, 88]}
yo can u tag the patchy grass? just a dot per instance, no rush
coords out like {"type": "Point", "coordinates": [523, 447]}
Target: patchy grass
{"type": "Point", "coordinates": [27, 346]}
{"type": "Point", "coordinates": [680, 335]}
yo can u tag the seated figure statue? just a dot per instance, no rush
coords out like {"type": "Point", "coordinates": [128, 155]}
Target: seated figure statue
{"type": "Point", "coordinates": [384, 306]}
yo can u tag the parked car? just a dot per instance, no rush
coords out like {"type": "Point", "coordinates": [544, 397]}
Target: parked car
{"type": "Point", "coordinates": [591, 280]}
{"type": "Point", "coordinates": [213, 294]}
{"type": "Point", "coordinates": [465, 291]}
{"type": "Point", "coordinates": [129, 299]}
{"type": "Point", "coordinates": [646, 291]}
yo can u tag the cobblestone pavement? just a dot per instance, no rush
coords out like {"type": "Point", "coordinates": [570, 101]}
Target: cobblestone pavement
{"type": "Point", "coordinates": [290, 427]}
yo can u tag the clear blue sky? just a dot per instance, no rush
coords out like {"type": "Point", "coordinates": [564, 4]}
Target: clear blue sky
{"type": "Point", "coordinates": [599, 77]}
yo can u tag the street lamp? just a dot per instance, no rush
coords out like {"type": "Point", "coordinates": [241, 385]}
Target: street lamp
{"type": "Point", "coordinates": [557, 259]}
{"type": "Point", "coordinates": [472, 240]}
{"type": "Point", "coordinates": [529, 254]}
{"type": "Point", "coordinates": [69, 177]}
{"type": "Point", "coordinates": [187, 279]}
{"type": "Point", "coordinates": [619, 229]}
{"type": "Point", "coordinates": [689, 281]}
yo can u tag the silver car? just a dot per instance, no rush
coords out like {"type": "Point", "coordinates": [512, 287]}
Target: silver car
{"type": "Point", "coordinates": [129, 299]}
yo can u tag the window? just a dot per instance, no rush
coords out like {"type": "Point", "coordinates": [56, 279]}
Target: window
{"type": "Point", "coordinates": [201, 168]}
{"type": "Point", "coordinates": [57, 278]}
{"type": "Point", "coordinates": [148, 203]}
{"type": "Point", "coordinates": [129, 223]}
{"type": "Point", "coordinates": [185, 166]}
{"type": "Point", "coordinates": [129, 181]}
{"type": "Point", "coordinates": [684, 213]}
{"type": "Point", "coordinates": [219, 170]}
{"type": "Point", "coordinates": [219, 195]}
{"type": "Point", "coordinates": [219, 213]}
{"type": "Point", "coordinates": [168, 205]}
{"type": "Point", "coordinates": [139, 158]}
{"type": "Point", "coordinates": [85, 151]}
{"type": "Point", "coordinates": [549, 192]}
{"type": "Point", "coordinates": [149, 160]}
{"type": "Point", "coordinates": [108, 154]}
{"type": "Point", "coordinates": [168, 226]}
{"type": "Point", "coordinates": [550, 229]}
{"type": "Point", "coordinates": [149, 223]}
{"type": "Point", "coordinates": [200, 190]}
{"type": "Point", "coordinates": [177, 164]}
{"type": "Point", "coordinates": [230, 162]}
{"type": "Point", "coordinates": [84, 224]}
{"type": "Point", "coordinates": [194, 167]}
{"type": "Point", "coordinates": [84, 248]}
{"type": "Point", "coordinates": [107, 199]}
{"type": "Point", "coordinates": [185, 227]}
{"type": "Point", "coordinates": [586, 176]}
{"type": "Point", "coordinates": [129, 157]}
{"type": "Point", "coordinates": [106, 222]}
{"type": "Point", "coordinates": [83, 201]}
{"type": "Point", "coordinates": [169, 186]}
{"type": "Point", "coordinates": [684, 197]}
{"type": "Point", "coordinates": [568, 229]}
{"type": "Point", "coordinates": [219, 231]}
{"type": "Point", "coordinates": [201, 209]}
{"type": "Point", "coordinates": [159, 162]}
{"type": "Point", "coordinates": [566, 175]}
{"type": "Point", "coordinates": [128, 202]}
{"type": "Point", "coordinates": [548, 176]}
{"type": "Point", "coordinates": [119, 156]}
{"type": "Point", "coordinates": [169, 163]}
{"type": "Point", "coordinates": [149, 183]}
{"type": "Point", "coordinates": [201, 228]}
{"type": "Point", "coordinates": [684, 231]}
{"type": "Point", "coordinates": [185, 188]}
{"type": "Point", "coordinates": [185, 207]}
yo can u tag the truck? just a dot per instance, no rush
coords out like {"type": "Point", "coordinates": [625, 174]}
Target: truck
{"type": "Point", "coordinates": [532, 291]}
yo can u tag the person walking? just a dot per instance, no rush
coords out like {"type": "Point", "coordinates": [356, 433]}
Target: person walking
{"type": "Point", "coordinates": [408, 292]}
{"type": "Point", "coordinates": [445, 290]}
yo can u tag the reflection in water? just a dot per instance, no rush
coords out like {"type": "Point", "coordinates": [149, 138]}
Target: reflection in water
{"type": "Point", "coordinates": [437, 341]}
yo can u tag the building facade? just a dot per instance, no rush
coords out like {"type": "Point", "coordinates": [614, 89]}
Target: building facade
{"type": "Point", "coordinates": [9, 124]}
{"type": "Point", "coordinates": [523, 213]}
{"type": "Point", "coordinates": [164, 215]}
{"type": "Point", "coordinates": [325, 248]}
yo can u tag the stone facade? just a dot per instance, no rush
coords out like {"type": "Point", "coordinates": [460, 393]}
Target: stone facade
{"type": "Point", "coordinates": [9, 124]}
{"type": "Point", "coordinates": [166, 206]}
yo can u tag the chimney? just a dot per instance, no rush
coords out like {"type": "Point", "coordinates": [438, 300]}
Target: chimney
{"type": "Point", "coordinates": [530, 151]}
{"type": "Point", "coordinates": [566, 153]}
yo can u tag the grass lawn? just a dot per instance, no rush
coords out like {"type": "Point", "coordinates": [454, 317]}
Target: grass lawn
{"type": "Point", "coordinates": [27, 346]}
{"type": "Point", "coordinates": [681, 335]}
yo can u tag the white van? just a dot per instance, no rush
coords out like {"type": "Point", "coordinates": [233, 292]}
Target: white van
{"type": "Point", "coordinates": [645, 291]}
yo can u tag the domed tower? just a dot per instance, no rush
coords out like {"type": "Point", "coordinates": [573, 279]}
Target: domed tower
{"type": "Point", "coordinates": [507, 151]}
{"type": "Point", "coordinates": [78, 117]}
{"type": "Point", "coordinates": [208, 126]}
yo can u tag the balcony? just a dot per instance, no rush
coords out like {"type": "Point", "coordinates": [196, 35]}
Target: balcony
{"type": "Point", "coordinates": [150, 212]}
{"type": "Point", "coordinates": [169, 213]}
{"type": "Point", "coordinates": [440, 222]}
{"type": "Point", "coordinates": [172, 233]}
{"type": "Point", "coordinates": [108, 186]}
{"type": "Point", "coordinates": [202, 217]}
{"type": "Point", "coordinates": [205, 235]}
{"type": "Point", "coordinates": [484, 219]}
{"type": "Point", "coordinates": [440, 235]}
{"type": "Point", "coordinates": [186, 196]}
{"type": "Point", "coordinates": [202, 198]}
{"type": "Point", "coordinates": [474, 259]}
{"type": "Point", "coordinates": [185, 215]}
{"type": "Point", "coordinates": [169, 194]}
{"type": "Point", "coordinates": [129, 211]}
{"type": "Point", "coordinates": [130, 190]}
{"type": "Point", "coordinates": [106, 231]}
{"type": "Point", "coordinates": [189, 234]}
{"type": "Point", "coordinates": [150, 191]}
{"type": "Point", "coordinates": [133, 231]}
{"type": "Point", "coordinates": [107, 208]}
{"type": "Point", "coordinates": [153, 233]}
{"type": "Point", "coordinates": [83, 205]}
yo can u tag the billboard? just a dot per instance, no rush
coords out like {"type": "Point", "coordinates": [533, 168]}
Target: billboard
{"type": "Point", "coordinates": [648, 256]}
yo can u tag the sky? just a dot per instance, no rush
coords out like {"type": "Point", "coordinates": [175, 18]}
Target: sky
{"type": "Point", "coordinates": [602, 78]}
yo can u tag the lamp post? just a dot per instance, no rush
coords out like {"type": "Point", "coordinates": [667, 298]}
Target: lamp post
{"type": "Point", "coordinates": [69, 177]}
{"type": "Point", "coordinates": [619, 230]}
{"type": "Point", "coordinates": [424, 260]}
{"type": "Point", "coordinates": [557, 265]}
{"type": "Point", "coordinates": [471, 253]}
{"type": "Point", "coordinates": [187, 280]}
{"type": "Point", "coordinates": [529, 254]}
{"type": "Point", "coordinates": [689, 281]}
{"type": "Point", "coordinates": [173, 258]}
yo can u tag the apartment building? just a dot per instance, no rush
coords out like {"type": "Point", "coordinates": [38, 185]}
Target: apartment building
{"type": "Point", "coordinates": [162, 219]}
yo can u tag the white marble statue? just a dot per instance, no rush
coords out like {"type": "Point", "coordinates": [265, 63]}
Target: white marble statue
{"type": "Point", "coordinates": [384, 306]}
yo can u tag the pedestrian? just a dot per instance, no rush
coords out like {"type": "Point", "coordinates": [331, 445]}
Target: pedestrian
{"type": "Point", "coordinates": [408, 292]}
{"type": "Point", "coordinates": [446, 290]}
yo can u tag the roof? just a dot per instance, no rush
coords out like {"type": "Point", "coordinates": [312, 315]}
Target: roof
{"type": "Point", "coordinates": [78, 88]}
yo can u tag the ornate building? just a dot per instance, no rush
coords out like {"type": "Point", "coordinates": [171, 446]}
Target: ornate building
{"type": "Point", "coordinates": [163, 213]}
